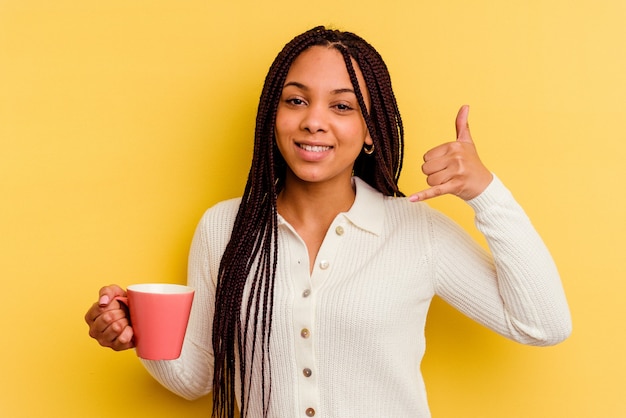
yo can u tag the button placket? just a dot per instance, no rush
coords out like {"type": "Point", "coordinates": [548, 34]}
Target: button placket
{"type": "Point", "coordinates": [304, 315]}
{"type": "Point", "coordinates": [328, 250]}
{"type": "Point", "coordinates": [303, 322]}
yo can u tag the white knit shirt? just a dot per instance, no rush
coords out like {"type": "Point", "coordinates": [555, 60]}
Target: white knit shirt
{"type": "Point", "coordinates": [348, 339]}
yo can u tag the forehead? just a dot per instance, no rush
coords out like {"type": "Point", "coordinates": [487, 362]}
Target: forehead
{"type": "Point", "coordinates": [324, 67]}
{"type": "Point", "coordinates": [318, 54]}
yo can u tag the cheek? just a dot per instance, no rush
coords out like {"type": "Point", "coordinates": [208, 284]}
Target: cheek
{"type": "Point", "coordinates": [283, 125]}
{"type": "Point", "coordinates": [280, 137]}
{"type": "Point", "coordinates": [356, 130]}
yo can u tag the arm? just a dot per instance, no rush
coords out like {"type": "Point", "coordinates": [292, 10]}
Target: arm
{"type": "Point", "coordinates": [517, 290]}
{"type": "Point", "coordinates": [191, 375]}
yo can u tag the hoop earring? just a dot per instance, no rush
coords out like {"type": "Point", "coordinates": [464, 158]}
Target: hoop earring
{"type": "Point", "coordinates": [368, 151]}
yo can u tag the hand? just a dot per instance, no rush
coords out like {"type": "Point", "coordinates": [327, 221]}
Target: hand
{"type": "Point", "coordinates": [108, 320]}
{"type": "Point", "coordinates": [454, 167]}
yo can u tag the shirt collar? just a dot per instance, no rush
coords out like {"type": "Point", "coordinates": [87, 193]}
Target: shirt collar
{"type": "Point", "coordinates": [368, 209]}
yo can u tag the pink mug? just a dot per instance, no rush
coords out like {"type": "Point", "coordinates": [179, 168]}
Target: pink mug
{"type": "Point", "coordinates": [159, 314]}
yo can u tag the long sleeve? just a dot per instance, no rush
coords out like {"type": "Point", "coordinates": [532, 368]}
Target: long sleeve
{"type": "Point", "coordinates": [191, 375]}
{"type": "Point", "coordinates": [516, 290]}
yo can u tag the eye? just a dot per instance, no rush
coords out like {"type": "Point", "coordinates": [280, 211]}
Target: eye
{"type": "Point", "coordinates": [295, 101]}
{"type": "Point", "coordinates": [343, 107]}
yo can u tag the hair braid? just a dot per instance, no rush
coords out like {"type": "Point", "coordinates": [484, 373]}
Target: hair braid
{"type": "Point", "coordinates": [385, 123]}
{"type": "Point", "coordinates": [243, 329]}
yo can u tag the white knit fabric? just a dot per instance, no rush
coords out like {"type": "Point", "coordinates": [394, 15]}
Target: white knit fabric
{"type": "Point", "coordinates": [365, 304]}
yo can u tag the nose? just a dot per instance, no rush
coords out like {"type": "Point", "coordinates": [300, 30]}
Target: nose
{"type": "Point", "coordinates": [314, 119]}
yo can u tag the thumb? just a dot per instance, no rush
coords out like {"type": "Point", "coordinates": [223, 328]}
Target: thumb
{"type": "Point", "coordinates": [462, 125]}
{"type": "Point", "coordinates": [108, 293]}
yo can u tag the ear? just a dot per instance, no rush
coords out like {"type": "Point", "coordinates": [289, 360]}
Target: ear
{"type": "Point", "coordinates": [368, 139]}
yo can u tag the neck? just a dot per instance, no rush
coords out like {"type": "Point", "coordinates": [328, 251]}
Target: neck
{"type": "Point", "coordinates": [303, 202]}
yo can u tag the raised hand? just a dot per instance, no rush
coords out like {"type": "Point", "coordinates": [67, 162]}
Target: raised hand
{"type": "Point", "coordinates": [454, 167]}
{"type": "Point", "coordinates": [108, 320]}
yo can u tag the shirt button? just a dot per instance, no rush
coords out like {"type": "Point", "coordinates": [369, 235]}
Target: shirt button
{"type": "Point", "coordinates": [324, 264]}
{"type": "Point", "coordinates": [339, 230]}
{"type": "Point", "coordinates": [307, 372]}
{"type": "Point", "coordinates": [306, 293]}
{"type": "Point", "coordinates": [305, 333]}
{"type": "Point", "coordinates": [310, 412]}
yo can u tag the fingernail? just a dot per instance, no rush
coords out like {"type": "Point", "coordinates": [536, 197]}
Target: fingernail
{"type": "Point", "coordinates": [104, 300]}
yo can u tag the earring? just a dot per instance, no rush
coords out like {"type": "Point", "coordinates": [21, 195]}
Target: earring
{"type": "Point", "coordinates": [368, 151]}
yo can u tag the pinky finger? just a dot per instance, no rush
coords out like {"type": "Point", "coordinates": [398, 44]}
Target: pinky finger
{"type": "Point", "coordinates": [124, 340]}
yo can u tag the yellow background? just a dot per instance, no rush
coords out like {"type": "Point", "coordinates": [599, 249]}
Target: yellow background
{"type": "Point", "coordinates": [122, 121]}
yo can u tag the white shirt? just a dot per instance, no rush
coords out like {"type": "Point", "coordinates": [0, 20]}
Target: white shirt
{"type": "Point", "coordinates": [348, 339]}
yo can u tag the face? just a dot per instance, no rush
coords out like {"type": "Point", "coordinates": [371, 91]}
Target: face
{"type": "Point", "coordinates": [320, 130]}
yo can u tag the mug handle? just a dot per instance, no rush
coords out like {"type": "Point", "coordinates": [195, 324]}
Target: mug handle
{"type": "Point", "coordinates": [124, 301]}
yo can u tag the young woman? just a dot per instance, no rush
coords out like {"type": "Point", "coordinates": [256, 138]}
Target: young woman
{"type": "Point", "coordinates": [312, 289]}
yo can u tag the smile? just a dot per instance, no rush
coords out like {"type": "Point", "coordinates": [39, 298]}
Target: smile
{"type": "Point", "coordinates": [314, 148]}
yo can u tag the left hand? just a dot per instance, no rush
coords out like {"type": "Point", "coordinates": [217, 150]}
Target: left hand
{"type": "Point", "coordinates": [454, 167]}
{"type": "Point", "coordinates": [108, 321]}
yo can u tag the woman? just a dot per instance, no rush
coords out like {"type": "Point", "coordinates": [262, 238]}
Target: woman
{"type": "Point", "coordinates": [312, 289]}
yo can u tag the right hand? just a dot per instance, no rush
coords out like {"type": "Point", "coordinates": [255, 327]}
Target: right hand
{"type": "Point", "coordinates": [108, 320]}
{"type": "Point", "coordinates": [454, 167]}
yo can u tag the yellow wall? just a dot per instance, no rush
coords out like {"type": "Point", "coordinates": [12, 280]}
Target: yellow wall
{"type": "Point", "coordinates": [121, 121]}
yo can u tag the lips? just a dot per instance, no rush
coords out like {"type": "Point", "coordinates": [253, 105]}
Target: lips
{"type": "Point", "coordinates": [314, 148]}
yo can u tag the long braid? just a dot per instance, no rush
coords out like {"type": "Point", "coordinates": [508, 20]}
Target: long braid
{"type": "Point", "coordinates": [250, 259]}
{"type": "Point", "coordinates": [383, 121]}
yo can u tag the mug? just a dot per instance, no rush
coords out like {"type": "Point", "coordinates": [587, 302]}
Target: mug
{"type": "Point", "coordinates": [159, 314]}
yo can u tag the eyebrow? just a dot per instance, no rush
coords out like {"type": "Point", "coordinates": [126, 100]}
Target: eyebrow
{"type": "Point", "coordinates": [305, 88]}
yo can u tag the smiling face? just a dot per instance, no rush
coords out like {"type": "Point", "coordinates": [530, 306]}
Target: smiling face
{"type": "Point", "coordinates": [320, 130]}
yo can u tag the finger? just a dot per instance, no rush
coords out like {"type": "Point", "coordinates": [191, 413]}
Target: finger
{"type": "Point", "coordinates": [429, 193]}
{"type": "Point", "coordinates": [92, 313]}
{"type": "Point", "coordinates": [451, 160]}
{"type": "Point", "coordinates": [462, 125]}
{"type": "Point", "coordinates": [439, 178]}
{"type": "Point", "coordinates": [120, 341]}
{"type": "Point", "coordinates": [114, 319]}
{"type": "Point", "coordinates": [437, 152]}
{"type": "Point", "coordinates": [118, 336]}
{"type": "Point", "coordinates": [434, 166]}
{"type": "Point", "coordinates": [112, 329]}
{"type": "Point", "coordinates": [109, 293]}
{"type": "Point", "coordinates": [124, 340]}
{"type": "Point", "coordinates": [96, 311]}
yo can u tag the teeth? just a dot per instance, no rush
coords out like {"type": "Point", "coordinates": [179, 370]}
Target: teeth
{"type": "Point", "coordinates": [314, 148]}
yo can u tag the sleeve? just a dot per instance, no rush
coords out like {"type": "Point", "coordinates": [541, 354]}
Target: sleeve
{"type": "Point", "coordinates": [516, 290]}
{"type": "Point", "coordinates": [191, 375]}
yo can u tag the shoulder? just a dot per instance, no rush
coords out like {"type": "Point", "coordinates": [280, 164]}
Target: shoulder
{"type": "Point", "coordinates": [224, 209]}
{"type": "Point", "coordinates": [217, 221]}
{"type": "Point", "coordinates": [402, 210]}
{"type": "Point", "coordinates": [375, 204]}
{"type": "Point", "coordinates": [420, 223]}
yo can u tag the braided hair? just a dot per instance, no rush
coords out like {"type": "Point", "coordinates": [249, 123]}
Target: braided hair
{"type": "Point", "coordinates": [242, 325]}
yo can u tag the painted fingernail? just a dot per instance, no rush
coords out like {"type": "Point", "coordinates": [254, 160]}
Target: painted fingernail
{"type": "Point", "coordinates": [104, 300]}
